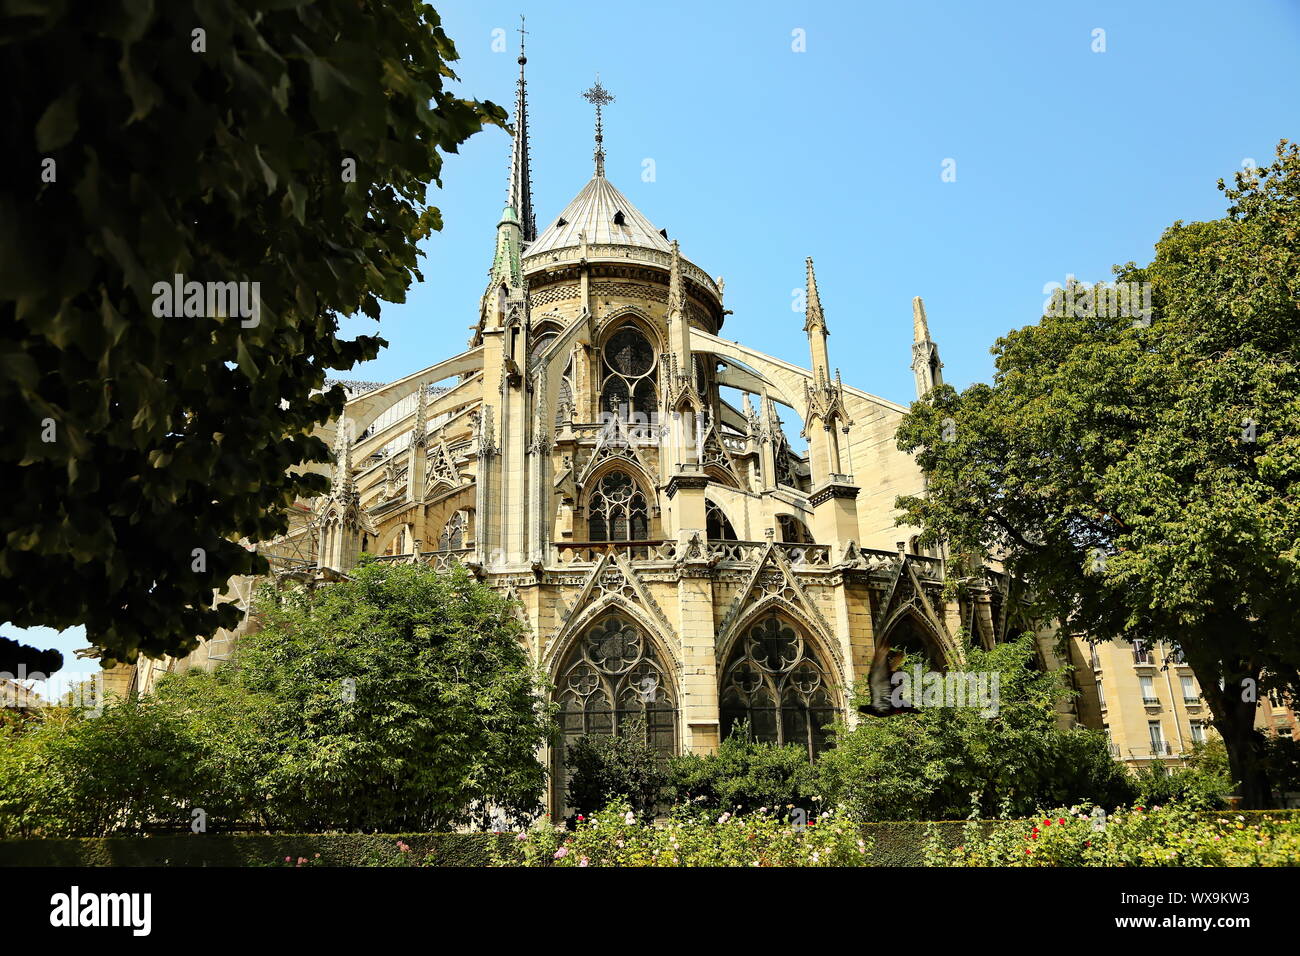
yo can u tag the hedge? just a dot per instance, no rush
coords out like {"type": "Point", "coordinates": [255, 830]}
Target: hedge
{"type": "Point", "coordinates": [221, 849]}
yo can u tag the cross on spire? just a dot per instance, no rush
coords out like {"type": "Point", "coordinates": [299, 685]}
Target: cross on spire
{"type": "Point", "coordinates": [598, 96]}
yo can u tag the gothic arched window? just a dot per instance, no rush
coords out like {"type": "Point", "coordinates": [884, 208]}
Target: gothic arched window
{"type": "Point", "coordinates": [613, 683]}
{"type": "Point", "coordinates": [774, 681]}
{"type": "Point", "coordinates": [616, 510]}
{"type": "Point", "coordinates": [716, 523]}
{"type": "Point", "coordinates": [454, 532]}
{"type": "Point", "coordinates": [627, 381]}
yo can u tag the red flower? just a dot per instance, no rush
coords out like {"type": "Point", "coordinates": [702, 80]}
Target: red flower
{"type": "Point", "coordinates": [1047, 823]}
{"type": "Point", "coordinates": [1138, 809]}
{"type": "Point", "coordinates": [1028, 851]}
{"type": "Point", "coordinates": [581, 818]}
{"type": "Point", "coordinates": [1062, 821]}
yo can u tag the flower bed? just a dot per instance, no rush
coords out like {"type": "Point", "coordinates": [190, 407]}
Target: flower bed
{"type": "Point", "coordinates": [1158, 836]}
{"type": "Point", "coordinates": [615, 837]}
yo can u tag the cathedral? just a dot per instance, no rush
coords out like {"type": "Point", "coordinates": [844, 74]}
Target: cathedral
{"type": "Point", "coordinates": [638, 484]}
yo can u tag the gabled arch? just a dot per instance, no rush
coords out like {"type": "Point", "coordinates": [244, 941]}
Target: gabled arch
{"type": "Point", "coordinates": [822, 642]}
{"type": "Point", "coordinates": [626, 314]}
{"type": "Point", "coordinates": [590, 613]}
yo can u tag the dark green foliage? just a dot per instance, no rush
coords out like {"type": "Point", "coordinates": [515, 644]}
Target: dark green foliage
{"type": "Point", "coordinates": [606, 769]}
{"type": "Point", "coordinates": [130, 769]}
{"type": "Point", "coordinates": [15, 655]}
{"type": "Point", "coordinates": [1203, 783]}
{"type": "Point", "coordinates": [223, 164]}
{"type": "Point", "coordinates": [744, 775]}
{"type": "Point", "coordinates": [223, 849]}
{"type": "Point", "coordinates": [934, 763]}
{"type": "Point", "coordinates": [1144, 479]}
{"type": "Point", "coordinates": [401, 700]}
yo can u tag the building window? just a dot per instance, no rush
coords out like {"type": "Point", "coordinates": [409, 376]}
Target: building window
{"type": "Point", "coordinates": [627, 384]}
{"type": "Point", "coordinates": [1141, 653]}
{"type": "Point", "coordinates": [1093, 657]}
{"type": "Point", "coordinates": [613, 683]}
{"type": "Point", "coordinates": [774, 682]}
{"type": "Point", "coordinates": [1101, 694]}
{"type": "Point", "coordinates": [1157, 737]}
{"type": "Point", "coordinates": [1176, 656]}
{"type": "Point", "coordinates": [1198, 732]}
{"type": "Point", "coordinates": [617, 510]}
{"type": "Point", "coordinates": [793, 531]}
{"type": "Point", "coordinates": [454, 532]}
{"type": "Point", "coordinates": [716, 523]}
{"type": "Point", "coordinates": [1190, 695]}
{"type": "Point", "coordinates": [1148, 691]}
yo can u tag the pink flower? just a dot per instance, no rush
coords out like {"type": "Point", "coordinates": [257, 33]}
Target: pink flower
{"type": "Point", "coordinates": [584, 862]}
{"type": "Point", "coordinates": [561, 853]}
{"type": "Point", "coordinates": [522, 836]}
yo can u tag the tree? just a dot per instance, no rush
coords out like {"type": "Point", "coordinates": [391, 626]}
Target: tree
{"type": "Point", "coordinates": [15, 655]}
{"type": "Point", "coordinates": [130, 769]}
{"type": "Point", "coordinates": [279, 155]}
{"type": "Point", "coordinates": [1142, 479]}
{"type": "Point", "coordinates": [401, 700]}
{"type": "Point", "coordinates": [932, 764]}
{"type": "Point", "coordinates": [608, 769]}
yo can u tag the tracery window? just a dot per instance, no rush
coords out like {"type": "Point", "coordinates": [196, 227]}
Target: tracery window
{"type": "Point", "coordinates": [716, 523]}
{"type": "Point", "coordinates": [454, 532]}
{"type": "Point", "coordinates": [774, 681]}
{"type": "Point", "coordinates": [613, 682]}
{"type": "Point", "coordinates": [627, 383]}
{"type": "Point", "coordinates": [616, 510]}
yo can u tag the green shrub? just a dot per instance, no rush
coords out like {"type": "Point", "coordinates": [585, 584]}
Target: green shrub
{"type": "Point", "coordinates": [606, 769]}
{"type": "Point", "coordinates": [1203, 783]}
{"type": "Point", "coordinates": [926, 765]}
{"type": "Point", "coordinates": [743, 775]}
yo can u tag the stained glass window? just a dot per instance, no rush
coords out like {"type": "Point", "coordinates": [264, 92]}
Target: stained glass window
{"type": "Point", "coordinates": [774, 682]}
{"type": "Point", "coordinates": [617, 510]}
{"type": "Point", "coordinates": [627, 385]}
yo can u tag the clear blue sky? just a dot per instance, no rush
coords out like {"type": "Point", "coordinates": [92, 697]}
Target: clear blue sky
{"type": "Point", "coordinates": [1067, 160]}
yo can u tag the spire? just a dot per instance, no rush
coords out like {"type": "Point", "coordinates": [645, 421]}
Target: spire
{"type": "Point", "coordinates": [343, 484]}
{"type": "Point", "coordinates": [816, 319]}
{"type": "Point", "coordinates": [519, 194]}
{"type": "Point", "coordinates": [676, 296]}
{"type": "Point", "coordinates": [925, 353]}
{"type": "Point", "coordinates": [598, 96]}
{"type": "Point", "coordinates": [815, 326]}
{"type": "Point", "coordinates": [920, 327]}
{"type": "Point", "coordinates": [420, 429]}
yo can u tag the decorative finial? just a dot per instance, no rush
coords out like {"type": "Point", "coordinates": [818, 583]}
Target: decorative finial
{"type": "Point", "coordinates": [815, 318]}
{"type": "Point", "coordinates": [519, 190]}
{"type": "Point", "coordinates": [598, 96]}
